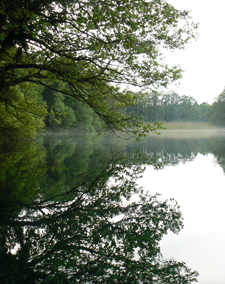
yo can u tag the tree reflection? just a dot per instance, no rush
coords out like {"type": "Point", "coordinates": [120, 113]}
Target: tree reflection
{"type": "Point", "coordinates": [217, 147]}
{"type": "Point", "coordinates": [171, 150]}
{"type": "Point", "coordinates": [97, 232]}
{"type": "Point", "coordinates": [22, 165]}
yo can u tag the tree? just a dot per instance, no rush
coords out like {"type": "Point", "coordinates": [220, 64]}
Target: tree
{"type": "Point", "coordinates": [201, 112]}
{"type": "Point", "coordinates": [217, 110]}
{"type": "Point", "coordinates": [93, 48]}
{"type": "Point", "coordinates": [22, 113]}
{"type": "Point", "coordinates": [169, 107]}
{"type": "Point", "coordinates": [59, 114]}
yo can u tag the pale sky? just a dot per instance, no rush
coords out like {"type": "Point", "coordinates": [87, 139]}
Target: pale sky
{"type": "Point", "coordinates": [203, 61]}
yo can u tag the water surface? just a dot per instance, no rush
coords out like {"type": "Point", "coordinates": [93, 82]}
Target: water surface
{"type": "Point", "coordinates": [61, 189]}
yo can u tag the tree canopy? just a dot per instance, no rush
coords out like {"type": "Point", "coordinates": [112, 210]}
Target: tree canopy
{"type": "Point", "coordinates": [217, 110]}
{"type": "Point", "coordinates": [170, 107]}
{"type": "Point", "coordinates": [91, 51]}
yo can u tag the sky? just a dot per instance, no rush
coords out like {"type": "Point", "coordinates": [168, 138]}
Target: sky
{"type": "Point", "coordinates": [203, 61]}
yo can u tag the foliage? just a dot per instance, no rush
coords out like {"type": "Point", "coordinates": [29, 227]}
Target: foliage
{"type": "Point", "coordinates": [92, 48]}
{"type": "Point", "coordinates": [170, 107]}
{"type": "Point", "coordinates": [217, 110]}
{"type": "Point", "coordinates": [59, 114]}
{"type": "Point", "coordinates": [21, 114]}
{"type": "Point", "coordinates": [66, 113]}
{"type": "Point", "coordinates": [202, 112]}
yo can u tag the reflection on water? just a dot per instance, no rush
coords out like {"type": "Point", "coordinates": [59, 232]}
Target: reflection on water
{"type": "Point", "coordinates": [63, 222]}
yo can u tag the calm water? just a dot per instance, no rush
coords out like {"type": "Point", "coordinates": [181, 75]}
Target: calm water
{"type": "Point", "coordinates": [195, 178]}
{"type": "Point", "coordinates": [66, 214]}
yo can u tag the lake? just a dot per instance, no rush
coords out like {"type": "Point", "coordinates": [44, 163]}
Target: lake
{"type": "Point", "coordinates": [84, 209]}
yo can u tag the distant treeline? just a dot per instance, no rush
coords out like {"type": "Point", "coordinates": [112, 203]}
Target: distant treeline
{"type": "Point", "coordinates": [172, 107]}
